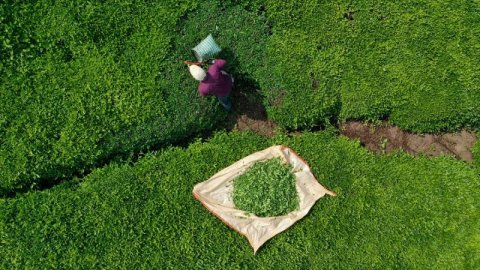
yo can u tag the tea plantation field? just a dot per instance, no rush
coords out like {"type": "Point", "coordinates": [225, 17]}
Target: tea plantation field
{"type": "Point", "coordinates": [84, 82]}
{"type": "Point", "coordinates": [103, 134]}
{"type": "Point", "coordinates": [391, 211]}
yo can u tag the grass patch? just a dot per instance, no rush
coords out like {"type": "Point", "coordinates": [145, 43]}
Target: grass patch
{"type": "Point", "coordinates": [266, 189]}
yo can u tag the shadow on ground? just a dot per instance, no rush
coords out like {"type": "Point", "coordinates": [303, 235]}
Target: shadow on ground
{"type": "Point", "coordinates": [249, 113]}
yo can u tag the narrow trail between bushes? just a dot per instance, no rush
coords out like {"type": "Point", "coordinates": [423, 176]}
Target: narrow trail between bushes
{"type": "Point", "coordinates": [250, 115]}
{"type": "Point", "coordinates": [386, 138]}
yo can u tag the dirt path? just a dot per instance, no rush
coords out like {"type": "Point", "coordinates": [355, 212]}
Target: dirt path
{"type": "Point", "coordinates": [250, 115]}
{"type": "Point", "coordinates": [386, 138]}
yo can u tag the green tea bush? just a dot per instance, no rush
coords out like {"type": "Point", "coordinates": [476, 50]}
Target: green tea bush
{"type": "Point", "coordinates": [298, 81]}
{"type": "Point", "coordinates": [391, 211]}
{"type": "Point", "coordinates": [476, 155]}
{"type": "Point", "coordinates": [412, 62]}
{"type": "Point", "coordinates": [242, 36]}
{"type": "Point", "coordinates": [266, 189]}
{"type": "Point", "coordinates": [84, 81]}
{"type": "Point", "coordinates": [302, 67]}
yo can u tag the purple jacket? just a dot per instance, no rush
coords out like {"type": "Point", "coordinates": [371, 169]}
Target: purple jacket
{"type": "Point", "coordinates": [216, 83]}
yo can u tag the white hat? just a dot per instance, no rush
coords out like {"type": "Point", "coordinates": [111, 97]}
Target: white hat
{"type": "Point", "coordinates": [197, 72]}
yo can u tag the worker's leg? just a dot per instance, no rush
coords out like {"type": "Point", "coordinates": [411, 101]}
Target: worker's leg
{"type": "Point", "coordinates": [225, 102]}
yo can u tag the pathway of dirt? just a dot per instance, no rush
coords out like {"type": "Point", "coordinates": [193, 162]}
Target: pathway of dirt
{"type": "Point", "coordinates": [250, 115]}
{"type": "Point", "coordinates": [385, 138]}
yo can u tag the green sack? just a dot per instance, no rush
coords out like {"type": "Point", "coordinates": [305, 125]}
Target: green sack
{"type": "Point", "coordinates": [206, 49]}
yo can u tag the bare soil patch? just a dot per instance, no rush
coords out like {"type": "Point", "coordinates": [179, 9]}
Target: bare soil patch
{"type": "Point", "coordinates": [249, 114]}
{"type": "Point", "coordinates": [385, 138]}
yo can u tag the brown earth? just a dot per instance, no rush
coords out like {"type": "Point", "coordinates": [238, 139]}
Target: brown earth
{"type": "Point", "coordinates": [385, 138]}
{"type": "Point", "coordinates": [249, 114]}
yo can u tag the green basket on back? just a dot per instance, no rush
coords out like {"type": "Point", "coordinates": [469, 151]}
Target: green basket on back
{"type": "Point", "coordinates": [206, 49]}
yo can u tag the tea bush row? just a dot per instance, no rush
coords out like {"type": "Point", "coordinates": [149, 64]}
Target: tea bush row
{"type": "Point", "coordinates": [412, 62]}
{"type": "Point", "coordinates": [391, 211]}
{"type": "Point", "coordinates": [476, 155]}
{"type": "Point", "coordinates": [83, 82]}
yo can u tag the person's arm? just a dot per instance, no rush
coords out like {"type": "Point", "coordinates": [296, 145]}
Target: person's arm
{"type": "Point", "coordinates": [216, 68]}
{"type": "Point", "coordinates": [203, 90]}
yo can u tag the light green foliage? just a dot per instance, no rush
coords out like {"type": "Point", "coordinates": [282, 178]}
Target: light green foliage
{"type": "Point", "coordinates": [82, 82]}
{"type": "Point", "coordinates": [303, 64]}
{"type": "Point", "coordinates": [391, 212]}
{"type": "Point", "coordinates": [242, 36]}
{"type": "Point", "coordinates": [266, 189]}
{"type": "Point", "coordinates": [414, 62]}
{"type": "Point", "coordinates": [299, 80]}
{"type": "Point", "coordinates": [476, 154]}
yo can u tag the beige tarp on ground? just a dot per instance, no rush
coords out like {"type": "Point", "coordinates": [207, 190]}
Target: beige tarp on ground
{"type": "Point", "coordinates": [215, 195]}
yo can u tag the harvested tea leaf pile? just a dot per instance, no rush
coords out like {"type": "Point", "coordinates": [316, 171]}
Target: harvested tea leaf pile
{"type": "Point", "coordinates": [266, 189]}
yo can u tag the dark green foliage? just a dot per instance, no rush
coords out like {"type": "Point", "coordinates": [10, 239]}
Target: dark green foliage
{"type": "Point", "coordinates": [391, 212]}
{"type": "Point", "coordinates": [266, 189]}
